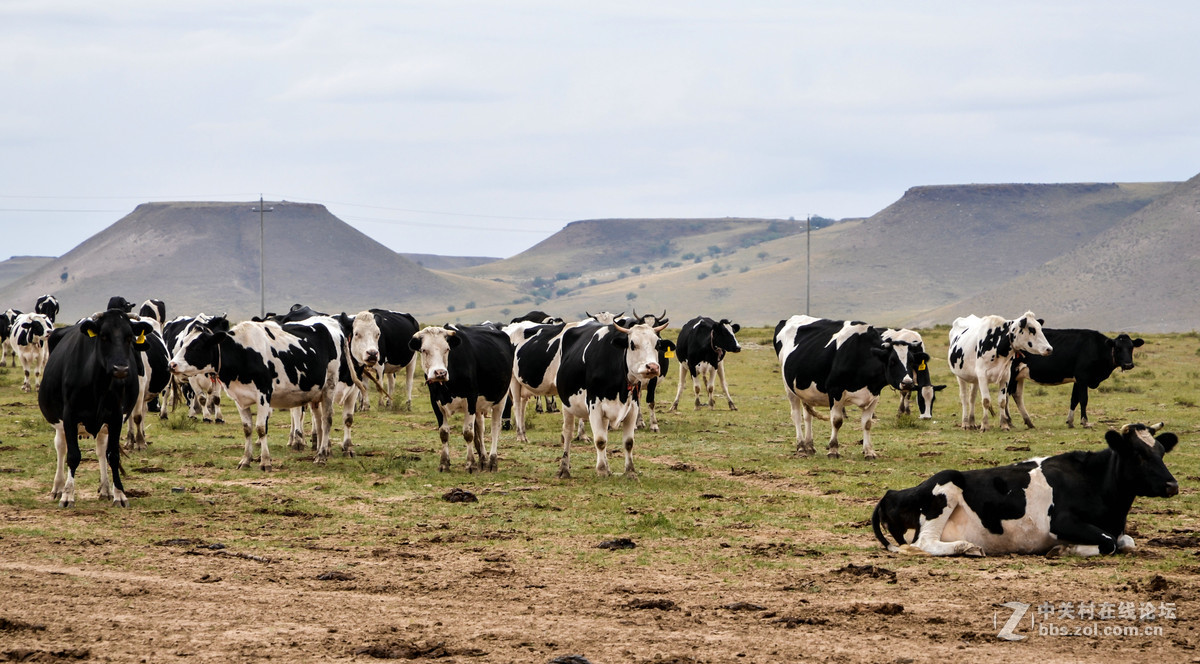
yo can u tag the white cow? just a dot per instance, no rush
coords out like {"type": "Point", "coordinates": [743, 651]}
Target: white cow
{"type": "Point", "coordinates": [981, 354]}
{"type": "Point", "coordinates": [28, 342]}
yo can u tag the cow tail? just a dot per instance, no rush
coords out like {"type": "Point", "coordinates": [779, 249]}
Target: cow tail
{"type": "Point", "coordinates": [350, 363]}
{"type": "Point", "coordinates": [875, 519]}
{"type": "Point", "coordinates": [820, 416]}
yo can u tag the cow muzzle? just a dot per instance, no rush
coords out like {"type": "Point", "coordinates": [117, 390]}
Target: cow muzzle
{"type": "Point", "coordinates": [651, 370]}
{"type": "Point", "coordinates": [1172, 489]}
{"type": "Point", "coordinates": [120, 371]}
{"type": "Point", "coordinates": [437, 376]}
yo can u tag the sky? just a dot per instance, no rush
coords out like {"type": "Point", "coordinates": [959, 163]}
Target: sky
{"type": "Point", "coordinates": [483, 127]}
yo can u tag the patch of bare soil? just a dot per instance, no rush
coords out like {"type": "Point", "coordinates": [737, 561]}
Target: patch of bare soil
{"type": "Point", "coordinates": [462, 600]}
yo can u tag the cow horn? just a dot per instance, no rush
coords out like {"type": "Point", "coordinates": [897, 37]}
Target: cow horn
{"type": "Point", "coordinates": [660, 328]}
{"type": "Point", "coordinates": [620, 329]}
{"type": "Point", "coordinates": [663, 316]}
{"type": "Point", "coordinates": [1155, 427]}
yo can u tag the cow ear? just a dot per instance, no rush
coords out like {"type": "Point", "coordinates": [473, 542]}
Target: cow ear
{"type": "Point", "coordinates": [1168, 441]}
{"type": "Point", "coordinates": [88, 327]}
{"type": "Point", "coordinates": [736, 328]}
{"type": "Point", "coordinates": [414, 343]}
{"type": "Point", "coordinates": [219, 323]}
{"type": "Point", "coordinates": [1041, 321]}
{"type": "Point", "coordinates": [453, 340]}
{"type": "Point", "coordinates": [1137, 343]}
{"type": "Point", "coordinates": [938, 388]}
{"type": "Point", "coordinates": [666, 344]}
{"type": "Point", "coordinates": [1116, 441]}
{"type": "Point", "coordinates": [140, 330]}
{"type": "Point", "coordinates": [921, 356]}
{"type": "Point", "coordinates": [620, 340]}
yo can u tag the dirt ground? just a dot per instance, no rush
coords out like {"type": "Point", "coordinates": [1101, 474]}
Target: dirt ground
{"type": "Point", "coordinates": [436, 596]}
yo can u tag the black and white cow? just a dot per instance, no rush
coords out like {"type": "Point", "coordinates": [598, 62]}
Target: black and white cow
{"type": "Point", "coordinates": [205, 390]}
{"type": "Point", "coordinates": [981, 354]}
{"type": "Point", "coordinates": [666, 351]}
{"type": "Point", "coordinates": [1069, 503]}
{"type": "Point", "coordinates": [91, 383]}
{"type": "Point", "coordinates": [6, 322]}
{"type": "Point", "coordinates": [154, 376]}
{"type": "Point", "coordinates": [924, 388]}
{"type": "Point", "coordinates": [345, 393]}
{"type": "Point", "coordinates": [1083, 357]}
{"type": "Point", "coordinates": [468, 369]}
{"type": "Point", "coordinates": [47, 305]}
{"type": "Point", "coordinates": [537, 351]}
{"type": "Point", "coordinates": [155, 310]}
{"type": "Point", "coordinates": [703, 343]}
{"type": "Point", "coordinates": [28, 342]}
{"type": "Point", "coordinates": [598, 375]}
{"type": "Point", "coordinates": [540, 317]}
{"type": "Point", "coordinates": [264, 366]}
{"type": "Point", "coordinates": [396, 328]}
{"type": "Point", "coordinates": [831, 363]}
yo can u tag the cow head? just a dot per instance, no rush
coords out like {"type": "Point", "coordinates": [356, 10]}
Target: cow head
{"type": "Point", "coordinates": [363, 331]}
{"type": "Point", "coordinates": [1027, 336]}
{"type": "Point", "coordinates": [116, 339]}
{"type": "Point", "coordinates": [434, 344]}
{"type": "Point", "coordinates": [641, 345]}
{"type": "Point", "coordinates": [1122, 350]}
{"type": "Point", "coordinates": [648, 319]}
{"type": "Point", "coordinates": [47, 305]}
{"type": "Point", "coordinates": [118, 302]}
{"type": "Point", "coordinates": [605, 317]}
{"type": "Point", "coordinates": [31, 329]}
{"type": "Point", "coordinates": [724, 338]}
{"type": "Point", "coordinates": [1141, 468]}
{"type": "Point", "coordinates": [900, 362]}
{"type": "Point", "coordinates": [199, 351]}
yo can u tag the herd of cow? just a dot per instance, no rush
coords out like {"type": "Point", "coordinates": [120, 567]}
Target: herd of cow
{"type": "Point", "coordinates": [107, 370]}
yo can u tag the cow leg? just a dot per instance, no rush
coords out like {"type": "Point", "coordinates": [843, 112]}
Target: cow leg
{"type": "Point", "coordinates": [929, 536]}
{"type": "Point", "coordinates": [67, 498]}
{"type": "Point", "coordinates": [905, 408]}
{"type": "Point", "coordinates": [248, 432]}
{"type": "Point", "coordinates": [627, 430]}
{"type": "Point", "coordinates": [725, 384]}
{"type": "Point", "coordinates": [600, 438]}
{"type": "Point", "coordinates": [493, 457]}
{"type": "Point", "coordinates": [101, 441]}
{"type": "Point", "coordinates": [802, 420]}
{"type": "Point", "coordinates": [108, 453]}
{"type": "Point", "coordinates": [214, 400]}
{"type": "Point", "coordinates": [60, 468]}
{"type": "Point", "coordinates": [468, 432]}
{"type": "Point", "coordinates": [985, 394]}
{"type": "Point", "coordinates": [966, 397]}
{"type": "Point", "coordinates": [1082, 539]}
{"type": "Point", "coordinates": [1005, 420]}
{"type": "Point", "coordinates": [551, 404]}
{"type": "Point", "coordinates": [389, 381]}
{"type": "Point", "coordinates": [443, 416]}
{"type": "Point", "coordinates": [568, 433]}
{"type": "Point", "coordinates": [650, 389]}
{"type": "Point", "coordinates": [837, 415]}
{"type": "Point", "coordinates": [1079, 395]}
{"type": "Point", "coordinates": [868, 417]}
{"type": "Point", "coordinates": [710, 385]}
{"type": "Point", "coordinates": [296, 437]}
{"type": "Point", "coordinates": [408, 383]}
{"type": "Point", "coordinates": [1018, 395]}
{"type": "Point", "coordinates": [683, 369]}
{"type": "Point", "coordinates": [349, 402]}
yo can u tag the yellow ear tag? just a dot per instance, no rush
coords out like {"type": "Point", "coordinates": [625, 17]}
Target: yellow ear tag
{"type": "Point", "coordinates": [922, 367]}
{"type": "Point", "coordinates": [669, 354]}
{"type": "Point", "coordinates": [141, 338]}
{"type": "Point", "coordinates": [91, 333]}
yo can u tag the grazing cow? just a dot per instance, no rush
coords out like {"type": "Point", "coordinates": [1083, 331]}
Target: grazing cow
{"type": "Point", "coordinates": [925, 389]}
{"type": "Point", "coordinates": [832, 363]}
{"type": "Point", "coordinates": [47, 305]}
{"type": "Point", "coordinates": [205, 401]}
{"type": "Point", "coordinates": [701, 350]}
{"type": "Point", "coordinates": [537, 351]}
{"type": "Point", "coordinates": [1083, 357]}
{"type": "Point", "coordinates": [468, 369]}
{"type": "Point", "coordinates": [263, 365]}
{"type": "Point", "coordinates": [347, 389]}
{"type": "Point", "coordinates": [154, 309]}
{"type": "Point", "coordinates": [6, 322]}
{"type": "Point", "coordinates": [28, 341]}
{"type": "Point", "coordinates": [600, 370]}
{"type": "Point", "coordinates": [981, 354]}
{"type": "Point", "coordinates": [1069, 503]}
{"type": "Point", "coordinates": [90, 385]}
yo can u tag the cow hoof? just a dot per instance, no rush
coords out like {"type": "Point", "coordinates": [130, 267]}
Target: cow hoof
{"type": "Point", "coordinates": [66, 503]}
{"type": "Point", "coordinates": [732, 407]}
{"type": "Point", "coordinates": [910, 550]}
{"type": "Point", "coordinates": [244, 464]}
{"type": "Point", "coordinates": [348, 452]}
{"type": "Point", "coordinates": [320, 460]}
{"type": "Point", "coordinates": [220, 420]}
{"type": "Point", "coordinates": [871, 456]}
{"type": "Point", "coordinates": [654, 428]}
{"type": "Point", "coordinates": [120, 500]}
{"type": "Point", "coordinates": [444, 467]}
{"type": "Point", "coordinates": [206, 420]}
{"type": "Point", "coordinates": [1056, 552]}
{"type": "Point", "coordinates": [973, 551]}
{"type": "Point", "coordinates": [492, 464]}
{"type": "Point", "coordinates": [631, 474]}
{"type": "Point", "coordinates": [833, 454]}
{"type": "Point", "coordinates": [296, 446]}
{"type": "Point", "coordinates": [563, 474]}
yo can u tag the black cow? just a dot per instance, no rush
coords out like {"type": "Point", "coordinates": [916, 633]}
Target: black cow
{"type": "Point", "coordinates": [154, 376]}
{"type": "Point", "coordinates": [468, 370]}
{"type": "Point", "coordinates": [1083, 357]}
{"type": "Point", "coordinates": [537, 317]}
{"type": "Point", "coordinates": [831, 363]}
{"type": "Point", "coordinates": [118, 302]}
{"type": "Point", "coordinates": [6, 322]}
{"type": "Point", "coordinates": [1069, 503]}
{"type": "Point", "coordinates": [154, 309]}
{"type": "Point", "coordinates": [91, 383]}
{"type": "Point", "coordinates": [701, 350]}
{"type": "Point", "coordinates": [600, 370]}
{"type": "Point", "coordinates": [47, 305]}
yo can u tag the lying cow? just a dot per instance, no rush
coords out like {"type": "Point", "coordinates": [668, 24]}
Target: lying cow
{"type": "Point", "coordinates": [468, 370]}
{"type": "Point", "coordinates": [1070, 503]}
{"type": "Point", "coordinates": [832, 364]}
{"type": "Point", "coordinates": [598, 375]}
{"type": "Point", "coordinates": [981, 354]}
{"type": "Point", "coordinates": [91, 383]}
{"type": "Point", "coordinates": [924, 388]}
{"type": "Point", "coordinates": [703, 343]}
{"type": "Point", "coordinates": [1083, 357]}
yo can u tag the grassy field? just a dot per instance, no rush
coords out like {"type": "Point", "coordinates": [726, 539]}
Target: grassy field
{"type": "Point", "coordinates": [721, 510]}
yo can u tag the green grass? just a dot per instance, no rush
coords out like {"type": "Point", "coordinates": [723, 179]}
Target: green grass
{"type": "Point", "coordinates": [712, 485]}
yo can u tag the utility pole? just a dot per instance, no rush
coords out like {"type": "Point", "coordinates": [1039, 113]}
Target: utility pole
{"type": "Point", "coordinates": [807, 265]}
{"type": "Point", "coordinates": [262, 263]}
